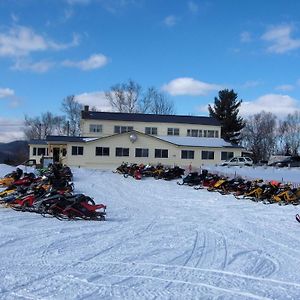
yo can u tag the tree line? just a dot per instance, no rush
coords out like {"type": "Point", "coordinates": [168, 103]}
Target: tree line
{"type": "Point", "coordinates": [263, 134]}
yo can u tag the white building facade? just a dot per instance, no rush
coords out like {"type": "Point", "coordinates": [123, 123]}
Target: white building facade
{"type": "Point", "coordinates": [108, 139]}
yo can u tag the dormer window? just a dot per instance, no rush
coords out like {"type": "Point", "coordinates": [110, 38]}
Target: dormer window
{"type": "Point", "coordinates": [194, 132]}
{"type": "Point", "coordinates": [122, 129]}
{"type": "Point", "coordinates": [151, 130]}
{"type": "Point", "coordinates": [173, 131]}
{"type": "Point", "coordinates": [95, 128]}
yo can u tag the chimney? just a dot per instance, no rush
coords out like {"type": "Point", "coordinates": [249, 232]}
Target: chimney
{"type": "Point", "coordinates": [86, 108]}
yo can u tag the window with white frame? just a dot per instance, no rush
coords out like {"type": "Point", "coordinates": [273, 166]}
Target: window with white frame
{"type": "Point", "coordinates": [95, 128]}
{"type": "Point", "coordinates": [39, 151]}
{"type": "Point", "coordinates": [194, 132]}
{"type": "Point", "coordinates": [187, 154]}
{"type": "Point", "coordinates": [122, 129]}
{"type": "Point", "coordinates": [102, 151]}
{"type": "Point", "coordinates": [226, 155]}
{"type": "Point", "coordinates": [122, 151]}
{"type": "Point", "coordinates": [207, 154]}
{"type": "Point", "coordinates": [161, 153]}
{"type": "Point", "coordinates": [173, 131]}
{"type": "Point", "coordinates": [141, 152]}
{"type": "Point", "coordinates": [151, 130]}
{"type": "Point", "coordinates": [77, 150]}
{"type": "Point", "coordinates": [210, 133]}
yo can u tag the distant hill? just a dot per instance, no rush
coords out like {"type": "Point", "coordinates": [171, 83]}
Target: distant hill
{"type": "Point", "coordinates": [14, 153]}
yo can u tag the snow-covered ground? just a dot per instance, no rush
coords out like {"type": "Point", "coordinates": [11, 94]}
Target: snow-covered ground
{"type": "Point", "coordinates": [160, 241]}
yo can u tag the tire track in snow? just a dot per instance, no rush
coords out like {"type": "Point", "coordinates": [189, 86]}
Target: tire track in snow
{"type": "Point", "coordinates": [257, 263]}
{"type": "Point", "coordinates": [197, 284]}
{"type": "Point", "coordinates": [201, 254]}
{"type": "Point", "coordinates": [192, 253]}
{"type": "Point", "coordinates": [191, 278]}
{"type": "Point", "coordinates": [132, 237]}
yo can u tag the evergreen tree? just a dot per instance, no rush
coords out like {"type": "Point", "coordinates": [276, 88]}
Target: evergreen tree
{"type": "Point", "coordinates": [226, 110]}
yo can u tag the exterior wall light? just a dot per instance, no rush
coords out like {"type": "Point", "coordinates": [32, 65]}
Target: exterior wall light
{"type": "Point", "coordinates": [133, 137]}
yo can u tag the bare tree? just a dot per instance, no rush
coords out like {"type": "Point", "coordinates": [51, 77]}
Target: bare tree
{"type": "Point", "coordinates": [129, 97]}
{"type": "Point", "coordinates": [156, 102]}
{"type": "Point", "coordinates": [46, 124]}
{"type": "Point", "coordinates": [259, 135]}
{"type": "Point", "coordinates": [33, 128]}
{"type": "Point", "coordinates": [124, 97]}
{"type": "Point", "coordinates": [289, 134]}
{"type": "Point", "coordinates": [72, 109]}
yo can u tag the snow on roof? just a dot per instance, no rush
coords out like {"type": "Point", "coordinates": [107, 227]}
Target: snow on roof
{"type": "Point", "coordinates": [196, 141]}
{"type": "Point", "coordinates": [91, 139]}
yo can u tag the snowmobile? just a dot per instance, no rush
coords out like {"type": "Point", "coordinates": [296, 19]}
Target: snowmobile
{"type": "Point", "coordinates": [191, 179]}
{"type": "Point", "coordinates": [82, 209]}
{"type": "Point", "coordinates": [9, 178]}
{"type": "Point", "coordinates": [288, 195]}
{"type": "Point", "coordinates": [173, 173]}
{"type": "Point", "coordinates": [76, 207]}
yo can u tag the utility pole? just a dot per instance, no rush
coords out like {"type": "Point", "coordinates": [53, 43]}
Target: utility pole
{"type": "Point", "coordinates": [40, 131]}
{"type": "Point", "coordinates": [68, 128]}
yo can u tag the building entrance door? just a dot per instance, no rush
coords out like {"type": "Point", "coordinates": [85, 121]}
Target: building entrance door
{"type": "Point", "coordinates": [56, 155]}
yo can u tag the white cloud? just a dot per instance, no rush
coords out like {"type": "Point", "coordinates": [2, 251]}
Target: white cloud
{"type": "Point", "coordinates": [193, 7]}
{"type": "Point", "coordinates": [21, 41]}
{"type": "Point", "coordinates": [285, 87]}
{"type": "Point", "coordinates": [280, 105]}
{"type": "Point", "coordinates": [280, 39]}
{"type": "Point", "coordinates": [251, 83]}
{"type": "Point", "coordinates": [9, 95]}
{"type": "Point", "coordinates": [189, 86]}
{"type": "Point", "coordinates": [245, 37]}
{"type": "Point", "coordinates": [94, 99]}
{"type": "Point", "coordinates": [95, 61]}
{"type": "Point", "coordinates": [37, 67]}
{"type": "Point", "coordinates": [6, 93]}
{"type": "Point", "coordinates": [170, 21]}
{"type": "Point", "coordinates": [11, 130]}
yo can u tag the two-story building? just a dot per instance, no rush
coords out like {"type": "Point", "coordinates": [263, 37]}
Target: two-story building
{"type": "Point", "coordinates": [110, 138]}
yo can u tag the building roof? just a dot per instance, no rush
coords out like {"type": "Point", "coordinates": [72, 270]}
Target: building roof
{"type": "Point", "coordinates": [62, 139]}
{"type": "Point", "coordinates": [176, 140]}
{"type": "Point", "coordinates": [59, 138]}
{"type": "Point", "coordinates": [197, 141]}
{"type": "Point", "coordinates": [115, 116]}
{"type": "Point", "coordinates": [37, 142]}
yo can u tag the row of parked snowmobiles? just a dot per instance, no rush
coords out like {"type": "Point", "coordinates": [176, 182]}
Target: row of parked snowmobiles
{"type": "Point", "coordinates": [267, 192]}
{"type": "Point", "coordinates": [51, 194]}
{"type": "Point", "coordinates": [258, 190]}
{"type": "Point", "coordinates": [139, 171]}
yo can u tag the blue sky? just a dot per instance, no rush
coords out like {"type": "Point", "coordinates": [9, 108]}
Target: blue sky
{"type": "Point", "coordinates": [190, 49]}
